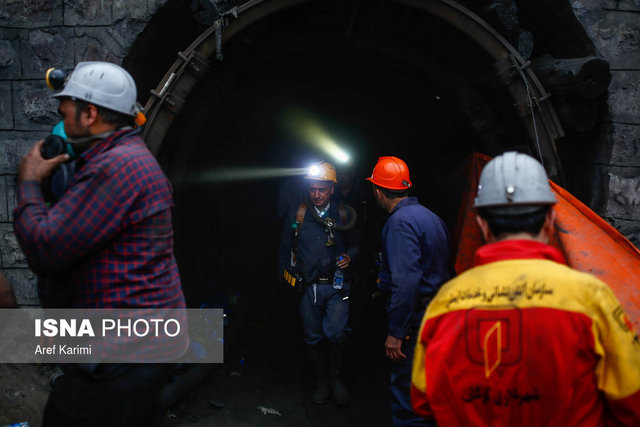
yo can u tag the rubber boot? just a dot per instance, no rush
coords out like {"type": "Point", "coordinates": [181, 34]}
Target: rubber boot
{"type": "Point", "coordinates": [338, 388]}
{"type": "Point", "coordinates": [320, 366]}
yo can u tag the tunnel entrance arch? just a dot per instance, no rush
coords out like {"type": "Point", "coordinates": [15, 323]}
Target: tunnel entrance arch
{"type": "Point", "coordinates": [392, 78]}
{"type": "Point", "coordinates": [530, 101]}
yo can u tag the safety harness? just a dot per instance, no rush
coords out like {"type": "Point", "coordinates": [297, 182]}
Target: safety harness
{"type": "Point", "coordinates": [291, 275]}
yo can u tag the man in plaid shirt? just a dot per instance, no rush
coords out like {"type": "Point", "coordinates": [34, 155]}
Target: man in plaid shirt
{"type": "Point", "coordinates": [107, 242]}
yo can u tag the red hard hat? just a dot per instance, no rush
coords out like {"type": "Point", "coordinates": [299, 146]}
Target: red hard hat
{"type": "Point", "coordinates": [391, 173]}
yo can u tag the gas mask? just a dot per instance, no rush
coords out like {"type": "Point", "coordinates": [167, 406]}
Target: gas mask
{"type": "Point", "coordinates": [55, 144]}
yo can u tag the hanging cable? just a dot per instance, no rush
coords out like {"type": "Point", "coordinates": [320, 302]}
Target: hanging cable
{"type": "Point", "coordinates": [533, 115]}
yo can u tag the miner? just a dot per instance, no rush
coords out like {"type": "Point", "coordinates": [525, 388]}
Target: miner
{"type": "Point", "coordinates": [317, 246]}
{"type": "Point", "coordinates": [106, 243]}
{"type": "Point", "coordinates": [521, 338]}
{"type": "Point", "coordinates": [415, 263]}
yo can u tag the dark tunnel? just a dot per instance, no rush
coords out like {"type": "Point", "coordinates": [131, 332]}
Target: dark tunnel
{"type": "Point", "coordinates": [378, 81]}
{"type": "Point", "coordinates": [377, 78]}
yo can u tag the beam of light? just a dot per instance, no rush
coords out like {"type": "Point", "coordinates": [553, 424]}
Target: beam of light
{"type": "Point", "coordinates": [309, 131]}
{"type": "Point", "coordinates": [243, 174]}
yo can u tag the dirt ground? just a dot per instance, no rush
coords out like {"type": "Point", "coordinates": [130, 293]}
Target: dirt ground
{"type": "Point", "coordinates": [23, 393]}
{"type": "Point", "coordinates": [265, 381]}
{"type": "Point", "coordinates": [259, 392]}
{"type": "Point", "coordinates": [268, 393]}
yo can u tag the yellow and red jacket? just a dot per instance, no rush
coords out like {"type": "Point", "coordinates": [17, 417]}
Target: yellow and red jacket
{"type": "Point", "coordinates": [522, 339]}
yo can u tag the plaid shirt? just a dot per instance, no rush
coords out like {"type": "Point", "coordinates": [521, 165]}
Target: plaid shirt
{"type": "Point", "coordinates": [108, 241]}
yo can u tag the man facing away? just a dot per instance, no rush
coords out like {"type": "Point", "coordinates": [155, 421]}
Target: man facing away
{"type": "Point", "coordinates": [106, 243]}
{"type": "Point", "coordinates": [415, 263]}
{"type": "Point", "coordinates": [521, 338]}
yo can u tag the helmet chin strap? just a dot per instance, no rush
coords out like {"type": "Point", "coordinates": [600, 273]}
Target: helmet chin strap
{"type": "Point", "coordinates": [87, 139]}
{"type": "Point", "coordinates": [82, 143]}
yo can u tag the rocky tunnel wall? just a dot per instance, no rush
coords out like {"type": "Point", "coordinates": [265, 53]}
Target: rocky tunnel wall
{"type": "Point", "coordinates": [601, 163]}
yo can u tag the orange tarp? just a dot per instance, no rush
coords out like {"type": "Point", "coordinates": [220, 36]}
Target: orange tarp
{"type": "Point", "coordinates": [589, 243]}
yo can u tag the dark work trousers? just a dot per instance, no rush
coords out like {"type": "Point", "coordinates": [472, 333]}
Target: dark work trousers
{"type": "Point", "coordinates": [325, 313]}
{"type": "Point", "coordinates": [108, 395]}
{"type": "Point", "coordinates": [401, 412]}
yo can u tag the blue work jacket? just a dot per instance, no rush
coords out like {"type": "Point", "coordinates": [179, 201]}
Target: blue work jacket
{"type": "Point", "coordinates": [314, 258]}
{"type": "Point", "coordinates": [415, 263]}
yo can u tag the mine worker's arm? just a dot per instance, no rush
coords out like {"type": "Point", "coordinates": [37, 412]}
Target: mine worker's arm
{"type": "Point", "coordinates": [618, 369]}
{"type": "Point", "coordinates": [90, 213]}
{"type": "Point", "coordinates": [403, 255]}
{"type": "Point", "coordinates": [7, 296]}
{"type": "Point", "coordinates": [34, 167]}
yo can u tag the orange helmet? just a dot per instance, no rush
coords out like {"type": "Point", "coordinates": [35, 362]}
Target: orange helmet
{"type": "Point", "coordinates": [391, 173]}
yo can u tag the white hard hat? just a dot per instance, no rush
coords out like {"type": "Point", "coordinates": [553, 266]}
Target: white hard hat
{"type": "Point", "coordinates": [103, 84]}
{"type": "Point", "coordinates": [514, 183]}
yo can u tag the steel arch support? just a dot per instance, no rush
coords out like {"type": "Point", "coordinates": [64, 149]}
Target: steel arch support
{"type": "Point", "coordinates": [530, 100]}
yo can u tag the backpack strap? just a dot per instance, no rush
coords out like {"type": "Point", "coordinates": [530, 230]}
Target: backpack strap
{"type": "Point", "coordinates": [300, 213]}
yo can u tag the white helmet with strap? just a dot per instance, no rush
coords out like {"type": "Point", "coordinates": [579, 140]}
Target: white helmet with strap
{"type": "Point", "coordinates": [103, 84]}
{"type": "Point", "coordinates": [514, 183]}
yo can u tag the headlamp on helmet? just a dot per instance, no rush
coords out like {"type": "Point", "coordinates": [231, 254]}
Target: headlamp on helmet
{"type": "Point", "coordinates": [56, 78]}
{"type": "Point", "coordinates": [322, 171]}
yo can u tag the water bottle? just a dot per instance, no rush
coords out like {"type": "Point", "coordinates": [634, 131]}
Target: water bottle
{"type": "Point", "coordinates": [338, 277]}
